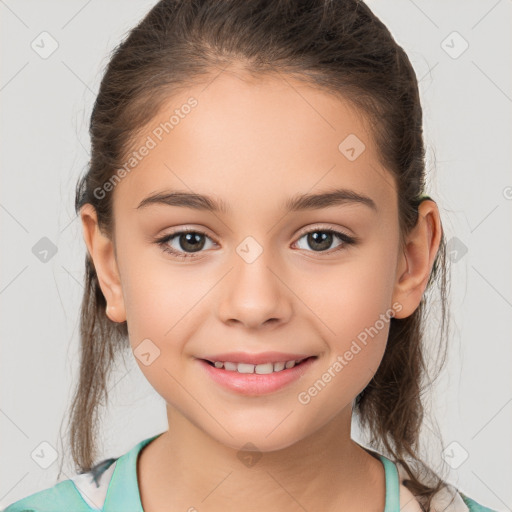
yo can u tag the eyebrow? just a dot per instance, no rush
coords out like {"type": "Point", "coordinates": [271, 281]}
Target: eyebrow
{"type": "Point", "coordinates": [298, 202]}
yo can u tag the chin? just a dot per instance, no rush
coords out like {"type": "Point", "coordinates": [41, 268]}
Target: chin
{"type": "Point", "coordinates": [254, 439]}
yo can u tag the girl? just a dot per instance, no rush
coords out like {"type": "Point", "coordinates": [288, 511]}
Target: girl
{"type": "Point", "coordinates": [257, 233]}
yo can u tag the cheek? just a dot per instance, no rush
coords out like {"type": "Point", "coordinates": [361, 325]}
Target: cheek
{"type": "Point", "coordinates": [165, 305]}
{"type": "Point", "coordinates": [355, 342]}
{"type": "Point", "coordinates": [352, 309]}
{"type": "Point", "coordinates": [159, 296]}
{"type": "Point", "coordinates": [349, 298]}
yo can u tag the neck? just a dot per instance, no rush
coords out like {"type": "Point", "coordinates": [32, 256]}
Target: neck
{"type": "Point", "coordinates": [187, 468]}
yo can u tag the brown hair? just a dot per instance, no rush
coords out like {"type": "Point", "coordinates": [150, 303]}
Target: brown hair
{"type": "Point", "coordinates": [339, 46]}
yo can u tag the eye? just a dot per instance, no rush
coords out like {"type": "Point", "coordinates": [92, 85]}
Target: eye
{"type": "Point", "coordinates": [190, 241]}
{"type": "Point", "coordinates": [186, 240]}
{"type": "Point", "coordinates": [320, 239]}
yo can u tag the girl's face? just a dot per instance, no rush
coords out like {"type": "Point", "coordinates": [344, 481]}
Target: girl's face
{"type": "Point", "coordinates": [257, 276]}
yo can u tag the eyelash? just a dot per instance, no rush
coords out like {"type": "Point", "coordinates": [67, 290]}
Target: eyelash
{"type": "Point", "coordinates": [163, 241]}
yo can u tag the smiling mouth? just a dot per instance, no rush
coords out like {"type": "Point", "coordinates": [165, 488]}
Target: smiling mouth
{"type": "Point", "coordinates": [262, 369]}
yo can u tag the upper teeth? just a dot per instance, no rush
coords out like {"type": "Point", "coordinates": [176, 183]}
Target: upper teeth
{"type": "Point", "coordinates": [256, 368]}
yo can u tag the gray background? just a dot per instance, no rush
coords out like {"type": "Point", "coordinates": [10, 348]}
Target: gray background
{"type": "Point", "coordinates": [46, 103]}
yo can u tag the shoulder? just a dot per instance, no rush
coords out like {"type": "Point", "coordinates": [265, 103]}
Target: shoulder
{"type": "Point", "coordinates": [84, 492]}
{"type": "Point", "coordinates": [408, 503]}
{"type": "Point", "coordinates": [473, 506]}
{"type": "Point", "coordinates": [110, 485]}
{"type": "Point", "coordinates": [448, 499]}
{"type": "Point", "coordinates": [62, 496]}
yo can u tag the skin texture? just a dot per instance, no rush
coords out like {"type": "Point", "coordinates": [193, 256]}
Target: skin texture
{"type": "Point", "coordinates": [254, 144]}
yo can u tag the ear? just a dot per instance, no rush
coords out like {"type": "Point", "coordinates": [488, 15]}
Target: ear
{"type": "Point", "coordinates": [416, 261]}
{"type": "Point", "coordinates": [101, 250]}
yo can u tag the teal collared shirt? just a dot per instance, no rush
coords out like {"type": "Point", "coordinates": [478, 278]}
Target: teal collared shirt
{"type": "Point", "coordinates": [114, 488]}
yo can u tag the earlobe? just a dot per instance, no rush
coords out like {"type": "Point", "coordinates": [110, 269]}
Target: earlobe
{"type": "Point", "coordinates": [417, 259]}
{"type": "Point", "coordinates": [101, 251]}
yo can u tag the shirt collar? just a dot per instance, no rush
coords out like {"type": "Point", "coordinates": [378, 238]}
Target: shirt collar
{"type": "Point", "coordinates": [123, 491]}
{"type": "Point", "coordinates": [123, 494]}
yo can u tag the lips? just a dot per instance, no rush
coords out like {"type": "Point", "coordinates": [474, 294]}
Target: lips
{"type": "Point", "coordinates": [262, 369]}
{"type": "Point", "coordinates": [255, 358]}
{"type": "Point", "coordinates": [256, 383]}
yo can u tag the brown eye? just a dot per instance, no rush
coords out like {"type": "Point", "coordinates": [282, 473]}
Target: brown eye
{"type": "Point", "coordinates": [190, 241]}
{"type": "Point", "coordinates": [185, 243]}
{"type": "Point", "coordinates": [321, 240]}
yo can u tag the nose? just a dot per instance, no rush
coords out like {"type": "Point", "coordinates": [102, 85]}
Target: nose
{"type": "Point", "coordinates": [255, 294]}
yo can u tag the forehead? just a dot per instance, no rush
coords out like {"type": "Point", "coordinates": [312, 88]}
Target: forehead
{"type": "Point", "coordinates": [254, 143]}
